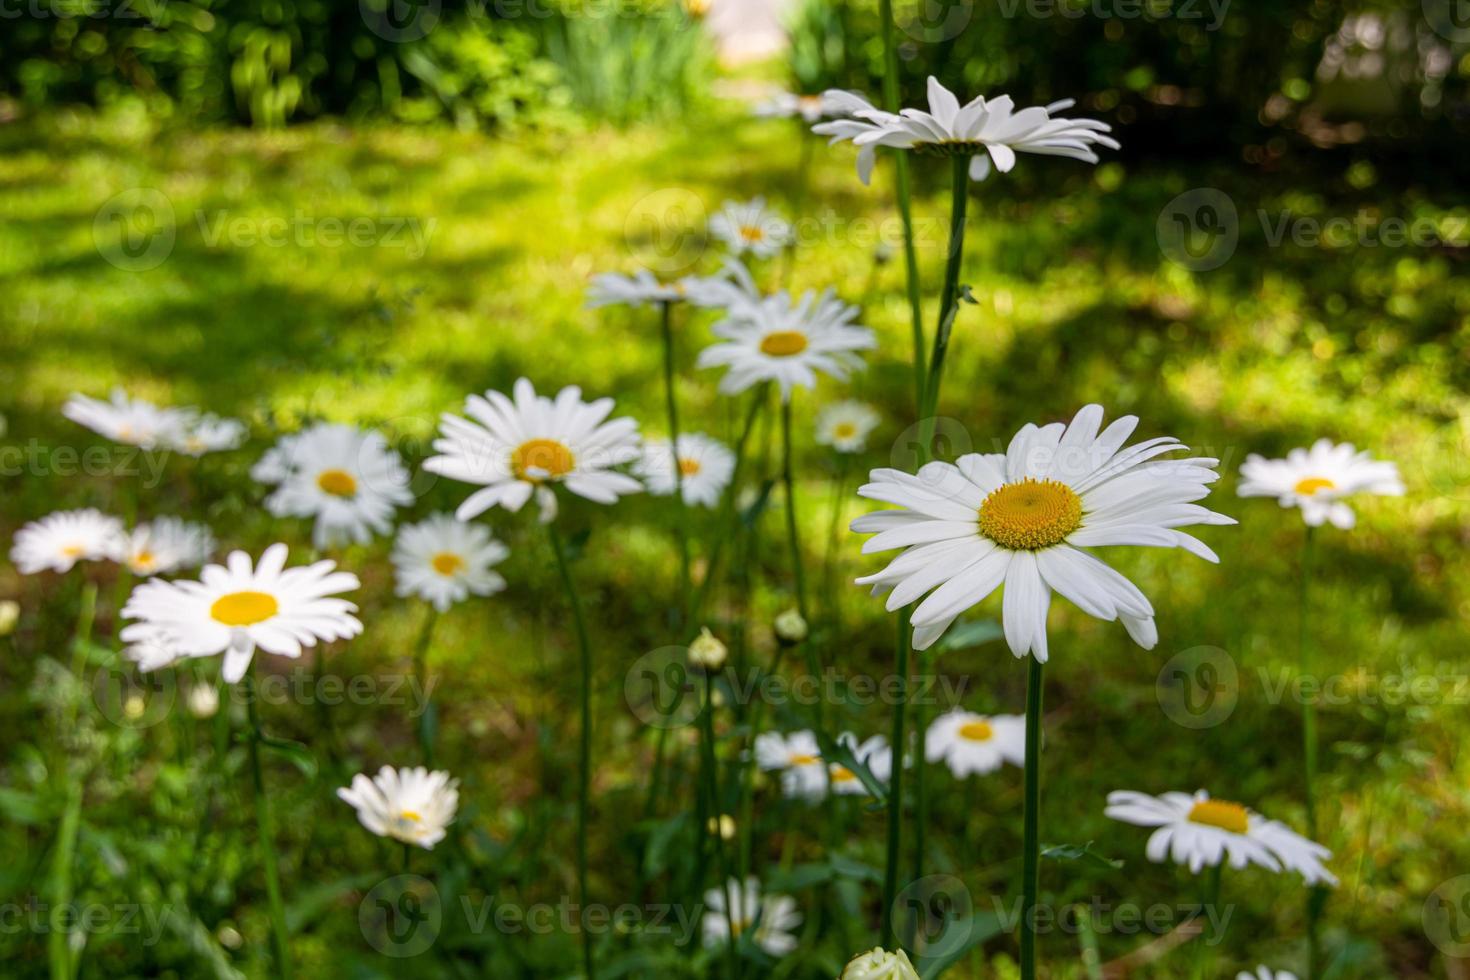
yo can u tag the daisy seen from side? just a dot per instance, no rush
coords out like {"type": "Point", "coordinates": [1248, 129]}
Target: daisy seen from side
{"type": "Point", "coordinates": [770, 920]}
{"type": "Point", "coordinates": [58, 541]}
{"type": "Point", "coordinates": [411, 805]}
{"type": "Point", "coordinates": [1318, 480]}
{"type": "Point", "coordinates": [162, 546]}
{"type": "Point", "coordinates": [976, 744]}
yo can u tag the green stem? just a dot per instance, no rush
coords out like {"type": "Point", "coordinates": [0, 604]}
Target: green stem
{"type": "Point", "coordinates": [584, 754]}
{"type": "Point", "coordinates": [1031, 846]}
{"type": "Point", "coordinates": [728, 508]}
{"type": "Point", "coordinates": [959, 198]}
{"type": "Point", "coordinates": [1208, 914]}
{"type": "Point", "coordinates": [681, 510]}
{"type": "Point", "coordinates": [58, 951]}
{"type": "Point", "coordinates": [905, 204]}
{"type": "Point", "coordinates": [265, 829]}
{"type": "Point", "coordinates": [813, 659]}
{"type": "Point", "coordinates": [895, 784]}
{"type": "Point", "coordinates": [746, 827]}
{"type": "Point", "coordinates": [921, 748]}
{"type": "Point", "coordinates": [709, 766]}
{"type": "Point", "coordinates": [426, 724]}
{"type": "Point", "coordinates": [1309, 741]}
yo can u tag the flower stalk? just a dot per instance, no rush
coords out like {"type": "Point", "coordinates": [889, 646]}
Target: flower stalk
{"type": "Point", "coordinates": [1031, 831]}
{"type": "Point", "coordinates": [266, 830]}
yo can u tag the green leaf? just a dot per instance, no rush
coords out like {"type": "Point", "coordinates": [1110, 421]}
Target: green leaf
{"type": "Point", "coordinates": [751, 514]}
{"type": "Point", "coordinates": [980, 927]}
{"type": "Point", "coordinates": [971, 633]}
{"type": "Point", "coordinates": [293, 752]}
{"type": "Point", "coordinates": [308, 904]}
{"type": "Point", "coordinates": [857, 870]}
{"type": "Point", "coordinates": [19, 807]}
{"type": "Point", "coordinates": [1075, 852]}
{"type": "Point", "coordinates": [834, 751]}
{"type": "Point", "coordinates": [802, 876]}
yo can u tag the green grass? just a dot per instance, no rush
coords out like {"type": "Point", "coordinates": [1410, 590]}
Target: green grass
{"type": "Point", "coordinates": [1075, 304]}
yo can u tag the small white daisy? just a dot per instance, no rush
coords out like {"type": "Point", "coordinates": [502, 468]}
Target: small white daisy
{"type": "Point", "coordinates": [1025, 519]}
{"type": "Point", "coordinates": [773, 918]}
{"type": "Point", "coordinates": [235, 607]}
{"type": "Point", "coordinates": [523, 447]}
{"type": "Point", "coordinates": [444, 560]}
{"type": "Point", "coordinates": [162, 546]}
{"type": "Point", "coordinates": [811, 108]}
{"type": "Point", "coordinates": [879, 964]}
{"type": "Point", "coordinates": [414, 806]}
{"type": "Point", "coordinates": [987, 131]}
{"type": "Point", "coordinates": [705, 468]}
{"type": "Point", "coordinates": [1197, 831]}
{"type": "Point", "coordinates": [798, 758]}
{"type": "Point", "coordinates": [1265, 973]}
{"type": "Point", "coordinates": [60, 540]}
{"type": "Point", "coordinates": [970, 743]}
{"type": "Point", "coordinates": [349, 480]}
{"type": "Point", "coordinates": [750, 227]}
{"type": "Point", "coordinates": [210, 434]}
{"type": "Point", "coordinates": [131, 421]}
{"type": "Point", "coordinates": [1317, 480]}
{"type": "Point", "coordinates": [788, 342]}
{"type": "Point", "coordinates": [845, 426]}
{"type": "Point", "coordinates": [873, 753]}
{"type": "Point", "coordinates": [643, 288]}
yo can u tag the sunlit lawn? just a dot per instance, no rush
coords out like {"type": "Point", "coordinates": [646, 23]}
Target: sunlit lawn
{"type": "Point", "coordinates": [1075, 304]}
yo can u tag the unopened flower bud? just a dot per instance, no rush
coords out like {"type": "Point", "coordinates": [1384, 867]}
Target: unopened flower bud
{"type": "Point", "coordinates": [9, 616]}
{"type": "Point", "coordinates": [707, 652]}
{"type": "Point", "coordinates": [724, 825]}
{"type": "Point", "coordinates": [791, 626]}
{"type": "Point", "coordinates": [203, 700]}
{"type": "Point", "coordinates": [879, 964]}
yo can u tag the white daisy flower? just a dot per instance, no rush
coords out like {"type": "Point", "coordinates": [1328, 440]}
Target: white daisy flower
{"type": "Point", "coordinates": [879, 964]}
{"type": "Point", "coordinates": [811, 108]}
{"type": "Point", "coordinates": [643, 288]}
{"type": "Point", "coordinates": [152, 649]}
{"type": "Point", "coordinates": [414, 806]}
{"type": "Point", "coordinates": [235, 607]}
{"type": "Point", "coordinates": [845, 426]}
{"type": "Point", "coordinates": [798, 758]}
{"type": "Point", "coordinates": [1197, 831]}
{"type": "Point", "coordinates": [1024, 519]}
{"type": "Point", "coordinates": [162, 546]}
{"type": "Point", "coordinates": [750, 227]}
{"type": "Point", "coordinates": [774, 918]}
{"type": "Point", "coordinates": [873, 753]}
{"type": "Point", "coordinates": [788, 342]}
{"type": "Point", "coordinates": [348, 479]}
{"type": "Point", "coordinates": [1265, 973]}
{"type": "Point", "coordinates": [986, 131]}
{"type": "Point", "coordinates": [971, 743]}
{"type": "Point", "coordinates": [443, 561]}
{"type": "Point", "coordinates": [1317, 480]}
{"type": "Point", "coordinates": [131, 421]}
{"type": "Point", "coordinates": [705, 468]}
{"type": "Point", "coordinates": [522, 447]}
{"type": "Point", "coordinates": [60, 540]}
{"type": "Point", "coordinates": [210, 434]}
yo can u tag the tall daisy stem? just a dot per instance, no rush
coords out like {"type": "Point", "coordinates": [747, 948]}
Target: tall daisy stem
{"type": "Point", "coordinates": [905, 206]}
{"type": "Point", "coordinates": [681, 510]}
{"type": "Point", "coordinates": [266, 830]}
{"type": "Point", "coordinates": [895, 780]}
{"type": "Point", "coordinates": [728, 511]}
{"type": "Point", "coordinates": [813, 659]}
{"type": "Point", "coordinates": [1315, 895]}
{"type": "Point", "coordinates": [1031, 833]}
{"type": "Point", "coordinates": [426, 720]}
{"type": "Point", "coordinates": [1208, 913]}
{"type": "Point", "coordinates": [58, 951]}
{"type": "Point", "coordinates": [584, 749]}
{"type": "Point", "coordinates": [710, 768]}
{"type": "Point", "coordinates": [959, 199]}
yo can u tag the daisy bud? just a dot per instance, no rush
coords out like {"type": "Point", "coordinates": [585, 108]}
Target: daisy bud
{"type": "Point", "coordinates": [9, 616]}
{"type": "Point", "coordinates": [707, 652]}
{"type": "Point", "coordinates": [791, 626]}
{"type": "Point", "coordinates": [202, 700]}
{"type": "Point", "coordinates": [724, 826]}
{"type": "Point", "coordinates": [879, 964]}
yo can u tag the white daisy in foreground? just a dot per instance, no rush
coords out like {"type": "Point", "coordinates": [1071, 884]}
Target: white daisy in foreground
{"type": "Point", "coordinates": [1265, 973]}
{"type": "Point", "coordinates": [705, 467]}
{"type": "Point", "coordinates": [235, 607]}
{"type": "Point", "coordinates": [879, 964]}
{"type": "Point", "coordinates": [872, 753]}
{"type": "Point", "coordinates": [970, 743]}
{"type": "Point", "coordinates": [750, 227]}
{"type": "Point", "coordinates": [132, 421]}
{"type": "Point", "coordinates": [986, 131]}
{"type": "Point", "coordinates": [152, 649]}
{"type": "Point", "coordinates": [811, 108]}
{"type": "Point", "coordinates": [415, 806]}
{"type": "Point", "coordinates": [845, 426]}
{"type": "Point", "coordinates": [798, 758]}
{"type": "Point", "coordinates": [643, 288]}
{"type": "Point", "coordinates": [444, 560]}
{"type": "Point", "coordinates": [524, 447]}
{"type": "Point", "coordinates": [1024, 519]}
{"type": "Point", "coordinates": [60, 540]}
{"type": "Point", "coordinates": [162, 546]}
{"type": "Point", "coordinates": [770, 920]}
{"type": "Point", "coordinates": [788, 342]}
{"type": "Point", "coordinates": [348, 479]}
{"type": "Point", "coordinates": [1197, 832]}
{"type": "Point", "coordinates": [1317, 479]}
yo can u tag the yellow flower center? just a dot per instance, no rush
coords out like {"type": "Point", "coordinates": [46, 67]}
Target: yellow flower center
{"type": "Point", "coordinates": [977, 731]}
{"type": "Point", "coordinates": [144, 560]}
{"type": "Point", "coordinates": [244, 608]}
{"type": "Point", "coordinates": [809, 101]}
{"type": "Point", "coordinates": [1220, 813]}
{"type": "Point", "coordinates": [546, 455]}
{"type": "Point", "coordinates": [1312, 484]}
{"type": "Point", "coordinates": [689, 467]}
{"type": "Point", "coordinates": [783, 343]}
{"type": "Point", "coordinates": [73, 551]}
{"type": "Point", "coordinates": [446, 563]}
{"type": "Point", "coordinates": [338, 483]}
{"type": "Point", "coordinates": [410, 816]}
{"type": "Point", "coordinates": [1030, 515]}
{"type": "Point", "coordinates": [842, 774]}
{"type": "Point", "coordinates": [844, 430]}
{"type": "Point", "coordinates": [752, 234]}
{"type": "Point", "coordinates": [803, 760]}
